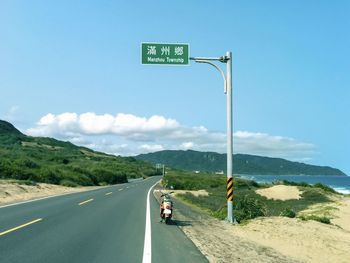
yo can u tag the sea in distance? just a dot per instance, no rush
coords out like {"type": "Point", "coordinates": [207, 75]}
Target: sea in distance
{"type": "Point", "coordinates": [341, 184]}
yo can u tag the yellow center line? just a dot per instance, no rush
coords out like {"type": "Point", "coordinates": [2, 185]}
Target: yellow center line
{"type": "Point", "coordinates": [108, 193]}
{"type": "Point", "coordinates": [21, 226]}
{"type": "Point", "coordinates": [120, 189]}
{"type": "Point", "coordinates": [87, 201]}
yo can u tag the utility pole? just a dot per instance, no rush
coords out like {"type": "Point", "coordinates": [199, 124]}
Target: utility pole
{"type": "Point", "coordinates": [228, 91]}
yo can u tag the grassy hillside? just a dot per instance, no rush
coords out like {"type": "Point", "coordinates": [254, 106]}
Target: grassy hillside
{"type": "Point", "coordinates": [242, 163]}
{"type": "Point", "coordinates": [53, 161]}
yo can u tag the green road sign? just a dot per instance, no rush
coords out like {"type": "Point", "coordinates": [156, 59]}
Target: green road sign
{"type": "Point", "coordinates": [167, 54]}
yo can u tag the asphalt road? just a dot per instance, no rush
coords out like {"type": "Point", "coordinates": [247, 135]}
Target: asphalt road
{"type": "Point", "coordinates": [104, 225]}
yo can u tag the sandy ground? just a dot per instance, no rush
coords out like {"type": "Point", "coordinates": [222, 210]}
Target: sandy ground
{"type": "Point", "coordinates": [274, 239]}
{"type": "Point", "coordinates": [13, 192]}
{"type": "Point", "coordinates": [342, 215]}
{"type": "Point", "coordinates": [280, 192]}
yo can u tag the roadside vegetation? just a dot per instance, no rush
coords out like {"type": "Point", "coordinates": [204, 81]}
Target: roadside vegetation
{"type": "Point", "coordinates": [247, 203]}
{"type": "Point", "coordinates": [56, 162]}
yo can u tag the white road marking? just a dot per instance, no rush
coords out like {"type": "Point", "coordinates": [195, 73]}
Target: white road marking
{"type": "Point", "coordinates": [87, 201]}
{"type": "Point", "coordinates": [147, 247]}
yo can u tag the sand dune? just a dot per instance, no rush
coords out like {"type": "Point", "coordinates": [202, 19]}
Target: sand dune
{"type": "Point", "coordinates": [273, 239]}
{"type": "Point", "coordinates": [280, 192]}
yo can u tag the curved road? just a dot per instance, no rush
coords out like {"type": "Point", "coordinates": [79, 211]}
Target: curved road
{"type": "Point", "coordinates": [103, 225]}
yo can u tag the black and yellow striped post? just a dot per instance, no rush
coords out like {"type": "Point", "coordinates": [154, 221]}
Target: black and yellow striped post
{"type": "Point", "coordinates": [229, 188]}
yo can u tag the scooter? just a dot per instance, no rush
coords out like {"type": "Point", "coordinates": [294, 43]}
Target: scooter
{"type": "Point", "coordinates": [166, 208]}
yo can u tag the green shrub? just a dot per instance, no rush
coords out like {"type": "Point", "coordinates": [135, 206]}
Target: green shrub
{"type": "Point", "coordinates": [325, 188]}
{"type": "Point", "coordinates": [68, 183]}
{"type": "Point", "coordinates": [21, 174]}
{"type": "Point", "coordinates": [248, 208]}
{"type": "Point", "coordinates": [288, 213]}
{"type": "Point", "coordinates": [220, 213]}
{"type": "Point", "coordinates": [286, 182]}
{"type": "Point", "coordinates": [321, 219]}
{"type": "Point", "coordinates": [30, 164]}
{"type": "Point", "coordinates": [50, 176]}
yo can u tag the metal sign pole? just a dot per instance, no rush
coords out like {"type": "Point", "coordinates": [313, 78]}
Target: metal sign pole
{"type": "Point", "coordinates": [228, 91]}
{"type": "Point", "coordinates": [229, 137]}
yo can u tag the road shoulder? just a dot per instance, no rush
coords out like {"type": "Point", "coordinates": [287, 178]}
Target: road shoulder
{"type": "Point", "coordinates": [170, 241]}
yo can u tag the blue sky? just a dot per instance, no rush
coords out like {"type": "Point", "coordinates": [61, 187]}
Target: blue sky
{"type": "Point", "coordinates": [71, 70]}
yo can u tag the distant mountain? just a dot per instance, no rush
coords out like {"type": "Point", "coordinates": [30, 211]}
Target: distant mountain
{"type": "Point", "coordinates": [53, 161]}
{"type": "Point", "coordinates": [242, 163]}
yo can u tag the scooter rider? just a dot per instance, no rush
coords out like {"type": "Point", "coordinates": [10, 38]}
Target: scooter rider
{"type": "Point", "coordinates": [165, 198]}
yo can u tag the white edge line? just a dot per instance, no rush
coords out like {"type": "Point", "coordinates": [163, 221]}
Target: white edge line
{"type": "Point", "coordinates": [147, 247]}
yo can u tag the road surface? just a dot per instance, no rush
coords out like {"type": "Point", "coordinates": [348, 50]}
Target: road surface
{"type": "Point", "coordinates": [103, 225]}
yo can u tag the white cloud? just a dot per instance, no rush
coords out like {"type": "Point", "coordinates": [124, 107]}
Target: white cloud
{"type": "Point", "coordinates": [129, 134]}
{"type": "Point", "coordinates": [90, 123]}
{"type": "Point", "coordinates": [136, 128]}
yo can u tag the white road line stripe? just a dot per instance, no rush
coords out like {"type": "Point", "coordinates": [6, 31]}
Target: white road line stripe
{"type": "Point", "coordinates": [87, 201]}
{"type": "Point", "coordinates": [147, 247]}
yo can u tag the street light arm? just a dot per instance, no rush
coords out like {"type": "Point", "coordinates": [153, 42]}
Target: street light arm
{"type": "Point", "coordinates": [215, 66]}
{"type": "Point", "coordinates": [222, 59]}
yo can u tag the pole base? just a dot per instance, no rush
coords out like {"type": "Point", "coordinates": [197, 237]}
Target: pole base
{"type": "Point", "coordinates": [233, 221]}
